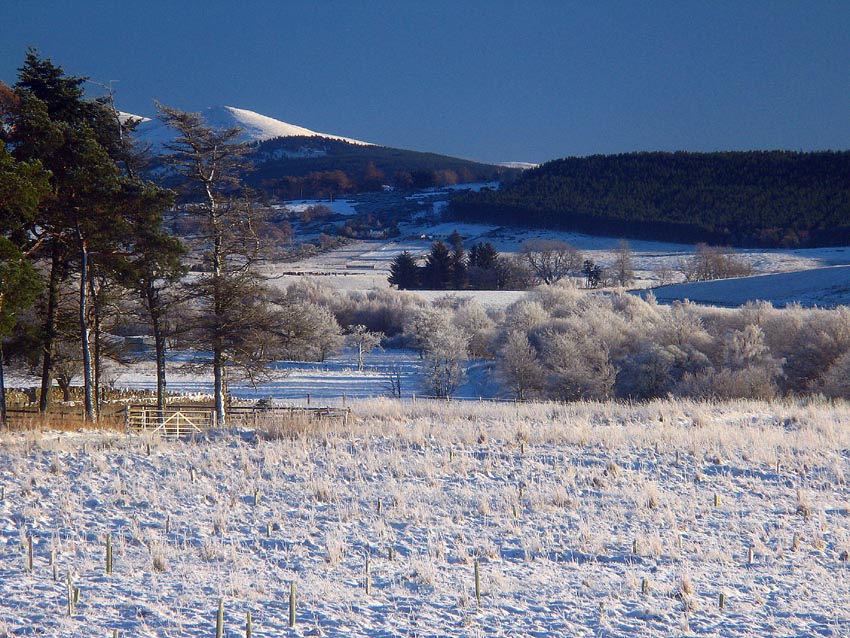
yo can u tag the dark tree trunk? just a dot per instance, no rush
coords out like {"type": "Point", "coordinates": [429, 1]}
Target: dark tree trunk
{"type": "Point", "coordinates": [97, 358]}
{"type": "Point", "coordinates": [49, 331]}
{"type": "Point", "coordinates": [154, 308]}
{"type": "Point", "coordinates": [218, 375]}
{"type": "Point", "coordinates": [65, 385]}
{"type": "Point", "coordinates": [2, 389]}
{"type": "Point", "coordinates": [84, 327]}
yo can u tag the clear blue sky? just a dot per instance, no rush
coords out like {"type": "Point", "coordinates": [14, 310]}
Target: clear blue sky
{"type": "Point", "coordinates": [496, 80]}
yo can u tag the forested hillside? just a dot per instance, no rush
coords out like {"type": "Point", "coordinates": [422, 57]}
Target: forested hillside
{"type": "Point", "coordinates": [753, 198]}
{"type": "Point", "coordinates": [293, 167]}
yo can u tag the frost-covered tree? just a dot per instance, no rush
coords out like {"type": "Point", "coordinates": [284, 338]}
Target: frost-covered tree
{"type": "Point", "coordinates": [443, 348]}
{"type": "Point", "coordinates": [364, 341]}
{"type": "Point", "coordinates": [578, 367]}
{"type": "Point", "coordinates": [477, 325]}
{"type": "Point", "coordinates": [304, 331]}
{"type": "Point", "coordinates": [444, 362]}
{"type": "Point", "coordinates": [622, 269]}
{"type": "Point", "coordinates": [519, 366]}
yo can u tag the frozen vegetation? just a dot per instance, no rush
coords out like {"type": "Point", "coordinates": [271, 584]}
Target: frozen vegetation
{"type": "Point", "coordinates": [584, 519]}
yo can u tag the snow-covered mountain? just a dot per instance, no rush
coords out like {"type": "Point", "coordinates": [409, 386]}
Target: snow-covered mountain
{"type": "Point", "coordinates": [255, 127]}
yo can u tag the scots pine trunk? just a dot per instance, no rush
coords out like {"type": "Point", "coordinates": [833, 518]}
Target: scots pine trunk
{"type": "Point", "coordinates": [84, 325]}
{"type": "Point", "coordinates": [49, 330]}
{"type": "Point", "coordinates": [97, 359]}
{"type": "Point", "coordinates": [2, 388]}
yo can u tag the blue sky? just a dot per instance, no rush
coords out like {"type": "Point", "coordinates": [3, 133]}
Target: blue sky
{"type": "Point", "coordinates": [529, 80]}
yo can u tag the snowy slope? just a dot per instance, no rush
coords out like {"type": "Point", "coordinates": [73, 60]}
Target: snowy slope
{"type": "Point", "coordinates": [255, 127]}
{"type": "Point", "coordinates": [825, 287]}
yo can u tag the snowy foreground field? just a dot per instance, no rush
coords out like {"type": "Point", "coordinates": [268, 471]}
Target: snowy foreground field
{"type": "Point", "coordinates": [585, 520]}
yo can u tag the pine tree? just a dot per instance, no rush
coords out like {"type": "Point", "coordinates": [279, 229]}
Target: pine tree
{"type": "Point", "coordinates": [483, 267]}
{"type": "Point", "coordinates": [483, 256]}
{"type": "Point", "coordinates": [22, 187]}
{"type": "Point", "coordinates": [153, 268]}
{"type": "Point", "coordinates": [54, 123]}
{"type": "Point", "coordinates": [460, 272]}
{"type": "Point", "coordinates": [404, 272]}
{"type": "Point", "coordinates": [437, 273]}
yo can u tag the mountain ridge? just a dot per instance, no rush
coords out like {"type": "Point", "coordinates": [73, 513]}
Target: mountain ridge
{"type": "Point", "coordinates": [256, 127]}
{"type": "Point", "coordinates": [292, 161]}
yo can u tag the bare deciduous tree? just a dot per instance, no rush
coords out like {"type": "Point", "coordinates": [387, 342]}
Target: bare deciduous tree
{"type": "Point", "coordinates": [622, 270]}
{"type": "Point", "coordinates": [230, 297]}
{"type": "Point", "coordinates": [712, 262]}
{"type": "Point", "coordinates": [551, 260]}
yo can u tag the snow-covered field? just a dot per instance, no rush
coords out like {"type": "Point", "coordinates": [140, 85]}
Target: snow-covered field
{"type": "Point", "coordinates": [825, 287]}
{"type": "Point", "coordinates": [585, 520]}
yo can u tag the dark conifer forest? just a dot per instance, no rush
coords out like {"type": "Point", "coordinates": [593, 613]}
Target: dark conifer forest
{"type": "Point", "coordinates": [748, 199]}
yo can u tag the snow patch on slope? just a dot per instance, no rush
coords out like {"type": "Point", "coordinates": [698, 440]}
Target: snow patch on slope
{"type": "Point", "coordinates": [255, 127]}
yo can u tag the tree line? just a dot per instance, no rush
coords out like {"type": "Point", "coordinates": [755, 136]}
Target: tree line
{"type": "Point", "coordinates": [86, 255]}
{"type": "Point", "coordinates": [753, 198]}
{"type": "Point", "coordinates": [541, 261]}
{"type": "Point", "coordinates": [85, 250]}
{"type": "Point", "coordinates": [452, 268]}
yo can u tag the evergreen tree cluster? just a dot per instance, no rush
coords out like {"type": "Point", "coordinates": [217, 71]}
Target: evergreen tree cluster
{"type": "Point", "coordinates": [449, 268]}
{"type": "Point", "coordinates": [79, 220]}
{"type": "Point", "coordinates": [754, 198]}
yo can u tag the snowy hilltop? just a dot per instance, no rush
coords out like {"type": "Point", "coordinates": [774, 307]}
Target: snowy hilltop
{"type": "Point", "coordinates": [255, 127]}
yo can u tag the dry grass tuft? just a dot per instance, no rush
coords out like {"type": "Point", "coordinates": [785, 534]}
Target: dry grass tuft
{"type": "Point", "coordinates": [294, 427]}
{"type": "Point", "coordinates": [63, 422]}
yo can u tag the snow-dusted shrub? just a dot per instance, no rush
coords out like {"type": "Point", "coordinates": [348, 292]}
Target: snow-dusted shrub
{"type": "Point", "coordinates": [577, 366]}
{"type": "Point", "coordinates": [519, 366]}
{"type": "Point", "coordinates": [473, 320]}
{"type": "Point", "coordinates": [386, 311]}
{"type": "Point", "coordinates": [525, 315]}
{"type": "Point", "coordinates": [649, 372]}
{"type": "Point", "coordinates": [835, 382]}
{"type": "Point", "coordinates": [823, 336]}
{"type": "Point", "coordinates": [312, 290]}
{"type": "Point", "coordinates": [561, 299]}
